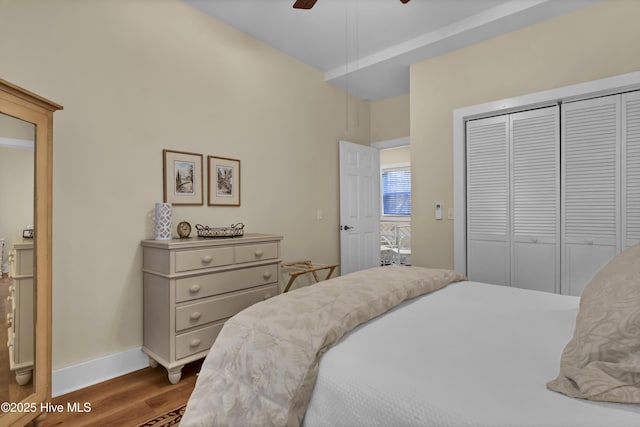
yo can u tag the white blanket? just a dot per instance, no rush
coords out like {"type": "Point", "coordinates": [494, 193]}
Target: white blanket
{"type": "Point", "coordinates": [470, 354]}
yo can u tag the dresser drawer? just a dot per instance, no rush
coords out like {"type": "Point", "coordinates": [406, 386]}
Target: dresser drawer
{"type": "Point", "coordinates": [220, 307]}
{"type": "Point", "coordinates": [193, 286]}
{"type": "Point", "coordinates": [256, 252]}
{"type": "Point", "coordinates": [203, 258]}
{"type": "Point", "coordinates": [198, 340]}
{"type": "Point", "coordinates": [227, 281]}
{"type": "Point", "coordinates": [21, 262]}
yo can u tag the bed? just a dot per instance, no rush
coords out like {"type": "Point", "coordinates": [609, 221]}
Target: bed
{"type": "Point", "coordinates": [461, 353]}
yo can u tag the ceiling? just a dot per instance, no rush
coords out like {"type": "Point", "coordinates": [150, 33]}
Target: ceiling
{"type": "Point", "coordinates": [367, 46]}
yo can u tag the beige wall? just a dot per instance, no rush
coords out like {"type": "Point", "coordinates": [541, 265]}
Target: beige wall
{"type": "Point", "coordinates": [16, 180]}
{"type": "Point", "coordinates": [393, 156]}
{"type": "Point", "coordinates": [16, 195]}
{"type": "Point", "coordinates": [136, 77]}
{"type": "Point", "coordinates": [596, 42]}
{"type": "Point", "coordinates": [390, 118]}
{"type": "Point", "coordinates": [10, 127]}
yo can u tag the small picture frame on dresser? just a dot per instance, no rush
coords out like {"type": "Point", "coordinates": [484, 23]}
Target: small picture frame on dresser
{"type": "Point", "coordinates": [182, 178]}
{"type": "Point", "coordinates": [224, 181]}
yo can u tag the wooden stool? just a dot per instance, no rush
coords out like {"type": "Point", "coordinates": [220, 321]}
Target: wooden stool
{"type": "Point", "coordinates": [304, 267]}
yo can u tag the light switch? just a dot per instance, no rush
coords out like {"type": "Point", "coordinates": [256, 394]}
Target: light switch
{"type": "Point", "coordinates": [438, 210]}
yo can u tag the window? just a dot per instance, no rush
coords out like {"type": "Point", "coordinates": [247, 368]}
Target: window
{"type": "Point", "coordinates": [396, 191]}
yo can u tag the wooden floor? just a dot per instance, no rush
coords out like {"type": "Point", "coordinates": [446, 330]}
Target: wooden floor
{"type": "Point", "coordinates": [125, 401]}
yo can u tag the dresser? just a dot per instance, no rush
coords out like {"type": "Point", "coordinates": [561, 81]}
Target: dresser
{"type": "Point", "coordinates": [192, 286]}
{"type": "Point", "coordinates": [20, 310]}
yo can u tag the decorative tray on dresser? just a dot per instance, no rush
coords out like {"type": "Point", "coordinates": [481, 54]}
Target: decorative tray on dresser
{"type": "Point", "coordinates": [191, 286]}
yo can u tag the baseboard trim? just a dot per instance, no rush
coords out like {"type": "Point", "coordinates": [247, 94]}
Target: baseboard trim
{"type": "Point", "coordinates": [72, 378]}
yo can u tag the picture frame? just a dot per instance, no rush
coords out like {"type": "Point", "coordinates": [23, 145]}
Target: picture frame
{"type": "Point", "coordinates": [182, 178]}
{"type": "Point", "coordinates": [224, 181]}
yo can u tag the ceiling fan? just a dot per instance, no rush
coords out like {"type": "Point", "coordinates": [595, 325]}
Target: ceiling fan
{"type": "Point", "coordinates": [308, 4]}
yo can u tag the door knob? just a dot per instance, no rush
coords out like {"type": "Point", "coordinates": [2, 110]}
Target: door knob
{"type": "Point", "coordinates": [346, 228]}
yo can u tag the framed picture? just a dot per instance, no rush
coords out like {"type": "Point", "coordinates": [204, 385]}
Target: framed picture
{"type": "Point", "coordinates": [224, 181]}
{"type": "Point", "coordinates": [182, 178]}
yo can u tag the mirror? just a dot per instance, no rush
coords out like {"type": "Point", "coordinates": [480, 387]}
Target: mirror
{"type": "Point", "coordinates": [26, 122]}
{"type": "Point", "coordinates": [17, 307]}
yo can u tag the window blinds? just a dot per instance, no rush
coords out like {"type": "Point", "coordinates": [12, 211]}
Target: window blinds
{"type": "Point", "coordinates": [396, 192]}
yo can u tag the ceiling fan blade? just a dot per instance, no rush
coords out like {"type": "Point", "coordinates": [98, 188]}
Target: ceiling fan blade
{"type": "Point", "coordinates": [308, 4]}
{"type": "Point", "coordinates": [304, 4]}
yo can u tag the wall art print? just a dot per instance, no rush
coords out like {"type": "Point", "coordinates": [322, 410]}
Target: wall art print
{"type": "Point", "coordinates": [224, 181]}
{"type": "Point", "coordinates": [182, 178]}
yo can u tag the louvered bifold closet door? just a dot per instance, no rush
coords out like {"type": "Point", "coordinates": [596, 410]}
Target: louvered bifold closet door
{"type": "Point", "coordinates": [488, 200]}
{"type": "Point", "coordinates": [590, 189]}
{"type": "Point", "coordinates": [630, 169]}
{"type": "Point", "coordinates": [535, 199]}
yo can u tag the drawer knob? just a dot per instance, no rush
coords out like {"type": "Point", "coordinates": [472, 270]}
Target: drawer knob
{"type": "Point", "coordinates": [207, 259]}
{"type": "Point", "coordinates": [258, 253]}
{"type": "Point", "coordinates": [195, 342]}
{"type": "Point", "coordinates": [194, 288]}
{"type": "Point", "coordinates": [195, 315]}
{"type": "Point", "coordinates": [266, 274]}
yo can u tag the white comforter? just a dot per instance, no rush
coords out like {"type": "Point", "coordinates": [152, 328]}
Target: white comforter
{"type": "Point", "coordinates": [470, 354]}
{"type": "Point", "coordinates": [262, 367]}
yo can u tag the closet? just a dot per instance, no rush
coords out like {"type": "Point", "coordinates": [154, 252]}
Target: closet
{"type": "Point", "coordinates": [553, 193]}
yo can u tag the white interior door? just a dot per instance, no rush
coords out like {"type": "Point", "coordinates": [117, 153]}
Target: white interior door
{"type": "Point", "coordinates": [488, 200]}
{"type": "Point", "coordinates": [535, 199]}
{"type": "Point", "coordinates": [359, 207]}
{"type": "Point", "coordinates": [630, 169]}
{"type": "Point", "coordinates": [590, 189]}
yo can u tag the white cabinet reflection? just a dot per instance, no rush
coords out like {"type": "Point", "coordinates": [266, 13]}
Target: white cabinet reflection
{"type": "Point", "coordinates": [20, 315]}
